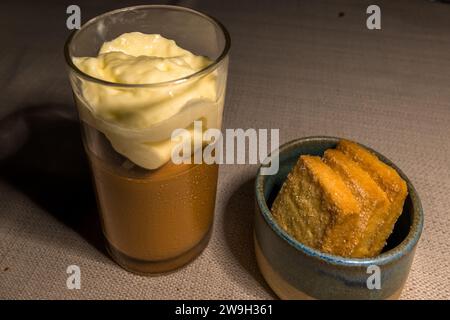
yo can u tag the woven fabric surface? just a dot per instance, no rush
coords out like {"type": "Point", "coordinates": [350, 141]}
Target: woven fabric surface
{"type": "Point", "coordinates": [307, 68]}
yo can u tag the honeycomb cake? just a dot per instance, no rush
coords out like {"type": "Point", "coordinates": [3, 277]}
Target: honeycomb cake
{"type": "Point", "coordinates": [387, 179]}
{"type": "Point", "coordinates": [372, 199]}
{"type": "Point", "coordinates": [345, 203]}
{"type": "Point", "coordinates": [317, 208]}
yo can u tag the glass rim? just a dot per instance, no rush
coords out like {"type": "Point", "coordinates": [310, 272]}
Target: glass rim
{"type": "Point", "coordinates": [201, 72]}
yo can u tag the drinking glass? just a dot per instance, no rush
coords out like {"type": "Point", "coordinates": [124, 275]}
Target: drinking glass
{"type": "Point", "coordinates": [153, 220]}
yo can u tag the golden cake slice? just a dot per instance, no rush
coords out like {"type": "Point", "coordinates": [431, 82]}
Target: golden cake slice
{"type": "Point", "coordinates": [372, 199]}
{"type": "Point", "coordinates": [387, 179]}
{"type": "Point", "coordinates": [317, 208]}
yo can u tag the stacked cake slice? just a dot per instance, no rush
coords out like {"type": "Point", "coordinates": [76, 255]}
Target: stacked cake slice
{"type": "Point", "coordinates": [345, 203]}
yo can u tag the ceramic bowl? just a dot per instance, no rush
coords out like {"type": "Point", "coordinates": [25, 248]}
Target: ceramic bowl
{"type": "Point", "coordinates": [296, 271]}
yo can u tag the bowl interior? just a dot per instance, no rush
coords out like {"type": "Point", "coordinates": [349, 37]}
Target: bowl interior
{"type": "Point", "coordinates": [289, 154]}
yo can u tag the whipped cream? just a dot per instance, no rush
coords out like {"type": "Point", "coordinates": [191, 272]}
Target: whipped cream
{"type": "Point", "coordinates": [139, 121]}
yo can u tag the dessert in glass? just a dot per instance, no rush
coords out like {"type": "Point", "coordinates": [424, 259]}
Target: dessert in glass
{"type": "Point", "coordinates": [139, 74]}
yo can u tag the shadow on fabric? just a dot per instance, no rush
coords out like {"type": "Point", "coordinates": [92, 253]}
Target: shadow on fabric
{"type": "Point", "coordinates": [238, 230]}
{"type": "Point", "coordinates": [42, 156]}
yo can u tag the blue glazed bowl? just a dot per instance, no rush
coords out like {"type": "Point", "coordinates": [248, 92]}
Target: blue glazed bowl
{"type": "Point", "coordinates": [296, 271]}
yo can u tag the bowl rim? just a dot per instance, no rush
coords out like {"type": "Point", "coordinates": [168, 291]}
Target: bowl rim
{"type": "Point", "coordinates": [407, 244]}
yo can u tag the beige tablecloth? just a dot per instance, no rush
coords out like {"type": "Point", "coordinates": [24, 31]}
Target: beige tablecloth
{"type": "Point", "coordinates": [306, 67]}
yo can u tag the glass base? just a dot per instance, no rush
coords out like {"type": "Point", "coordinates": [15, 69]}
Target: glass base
{"type": "Point", "coordinates": [148, 268]}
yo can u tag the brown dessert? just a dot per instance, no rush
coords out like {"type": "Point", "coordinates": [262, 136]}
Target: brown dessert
{"type": "Point", "coordinates": [317, 208]}
{"type": "Point", "coordinates": [372, 200]}
{"type": "Point", "coordinates": [387, 179]}
{"type": "Point", "coordinates": [346, 204]}
{"type": "Point", "coordinates": [155, 220]}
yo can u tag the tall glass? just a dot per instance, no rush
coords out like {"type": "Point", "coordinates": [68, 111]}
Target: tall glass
{"type": "Point", "coordinates": [154, 220]}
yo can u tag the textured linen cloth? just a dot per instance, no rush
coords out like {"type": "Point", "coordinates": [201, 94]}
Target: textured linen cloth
{"type": "Point", "coordinates": [306, 67]}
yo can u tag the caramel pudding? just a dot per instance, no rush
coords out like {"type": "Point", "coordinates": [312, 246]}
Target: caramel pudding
{"type": "Point", "coordinates": [159, 216]}
{"type": "Point", "coordinates": [156, 215]}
